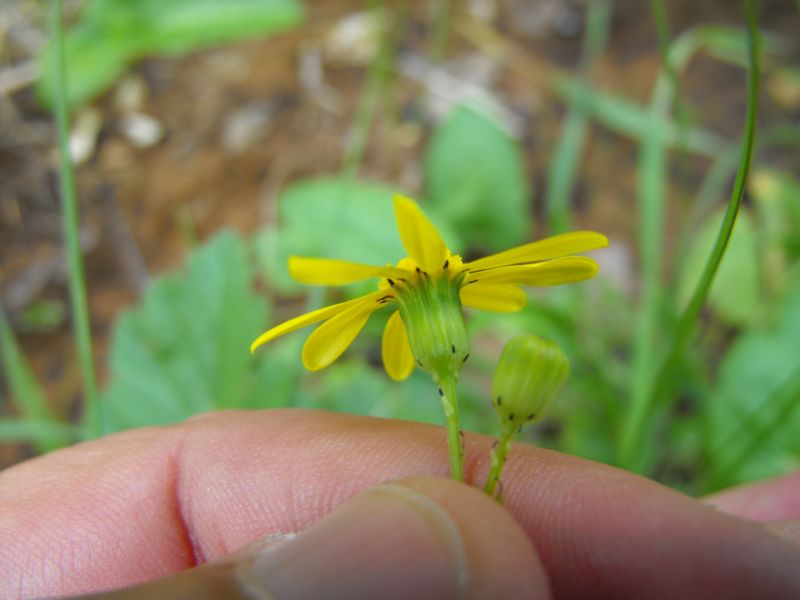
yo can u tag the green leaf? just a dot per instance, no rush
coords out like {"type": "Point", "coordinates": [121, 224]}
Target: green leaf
{"type": "Point", "coordinates": [753, 373]}
{"type": "Point", "coordinates": [112, 34]}
{"type": "Point", "coordinates": [185, 350]}
{"type": "Point", "coordinates": [350, 386]}
{"type": "Point", "coordinates": [31, 401]}
{"type": "Point", "coordinates": [94, 61]}
{"type": "Point", "coordinates": [631, 119]}
{"type": "Point", "coordinates": [333, 218]}
{"type": "Point", "coordinates": [775, 194]}
{"type": "Point", "coordinates": [735, 291]}
{"type": "Point", "coordinates": [183, 25]}
{"type": "Point", "coordinates": [353, 386]}
{"type": "Point", "coordinates": [475, 178]}
{"type": "Point", "coordinates": [729, 44]}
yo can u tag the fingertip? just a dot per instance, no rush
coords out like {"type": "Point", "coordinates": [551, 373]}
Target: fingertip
{"type": "Point", "coordinates": [774, 499]}
{"type": "Point", "coordinates": [501, 559]}
{"type": "Point", "coordinates": [420, 538]}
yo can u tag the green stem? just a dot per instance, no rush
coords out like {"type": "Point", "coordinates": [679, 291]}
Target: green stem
{"type": "Point", "coordinates": [563, 168]}
{"type": "Point", "coordinates": [69, 206]}
{"type": "Point", "coordinates": [447, 390]}
{"type": "Point", "coordinates": [499, 454]}
{"type": "Point", "coordinates": [368, 101]}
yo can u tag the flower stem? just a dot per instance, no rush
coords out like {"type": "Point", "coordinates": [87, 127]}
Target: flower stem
{"type": "Point", "coordinates": [447, 390]}
{"type": "Point", "coordinates": [499, 454]}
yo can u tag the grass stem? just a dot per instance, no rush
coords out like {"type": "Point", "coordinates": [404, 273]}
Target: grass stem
{"type": "Point", "coordinates": [369, 99]}
{"type": "Point", "coordinates": [563, 168]}
{"type": "Point", "coordinates": [69, 206]}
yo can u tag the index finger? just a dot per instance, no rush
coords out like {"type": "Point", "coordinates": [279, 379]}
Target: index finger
{"type": "Point", "coordinates": [145, 503]}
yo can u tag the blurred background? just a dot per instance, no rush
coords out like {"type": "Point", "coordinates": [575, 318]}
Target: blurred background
{"type": "Point", "coordinates": [213, 138]}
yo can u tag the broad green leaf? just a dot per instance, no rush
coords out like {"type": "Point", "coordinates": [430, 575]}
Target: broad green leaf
{"type": "Point", "coordinates": [475, 178]}
{"type": "Point", "coordinates": [735, 291]}
{"type": "Point", "coordinates": [350, 386]}
{"type": "Point", "coordinates": [353, 386]}
{"type": "Point", "coordinates": [112, 34]}
{"type": "Point", "coordinates": [335, 218]}
{"type": "Point", "coordinates": [752, 374]}
{"type": "Point", "coordinates": [185, 350]}
{"type": "Point", "coordinates": [94, 61]}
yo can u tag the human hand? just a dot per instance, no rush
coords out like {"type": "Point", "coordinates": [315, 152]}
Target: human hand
{"type": "Point", "coordinates": [145, 504]}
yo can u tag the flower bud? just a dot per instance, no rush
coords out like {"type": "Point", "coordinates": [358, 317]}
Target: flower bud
{"type": "Point", "coordinates": [529, 375]}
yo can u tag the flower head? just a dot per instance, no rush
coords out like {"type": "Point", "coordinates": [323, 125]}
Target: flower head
{"type": "Point", "coordinates": [428, 289]}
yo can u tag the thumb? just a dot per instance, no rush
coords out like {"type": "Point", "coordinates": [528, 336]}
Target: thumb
{"type": "Point", "coordinates": [417, 538]}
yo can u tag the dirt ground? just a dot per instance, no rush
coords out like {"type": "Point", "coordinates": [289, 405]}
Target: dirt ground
{"type": "Point", "coordinates": [236, 123]}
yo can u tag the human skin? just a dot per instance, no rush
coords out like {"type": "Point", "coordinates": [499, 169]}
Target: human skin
{"type": "Point", "coordinates": [143, 504]}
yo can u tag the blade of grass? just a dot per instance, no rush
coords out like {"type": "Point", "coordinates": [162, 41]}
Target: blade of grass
{"type": "Point", "coordinates": [69, 208]}
{"type": "Point", "coordinates": [659, 10]}
{"type": "Point", "coordinates": [662, 31]}
{"type": "Point", "coordinates": [564, 166]}
{"type": "Point", "coordinates": [35, 432]}
{"type": "Point", "coordinates": [628, 118]}
{"type": "Point", "coordinates": [648, 388]}
{"type": "Point", "coordinates": [369, 99]}
{"type": "Point", "coordinates": [31, 401]}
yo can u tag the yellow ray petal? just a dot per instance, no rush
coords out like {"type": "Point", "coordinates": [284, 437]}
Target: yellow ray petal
{"type": "Point", "coordinates": [330, 339]}
{"type": "Point", "coordinates": [420, 238]}
{"type": "Point", "coordinates": [395, 349]}
{"type": "Point", "coordinates": [494, 298]}
{"type": "Point", "coordinates": [569, 269]}
{"type": "Point", "coordinates": [552, 247]}
{"type": "Point", "coordinates": [309, 318]}
{"type": "Point", "coordinates": [330, 271]}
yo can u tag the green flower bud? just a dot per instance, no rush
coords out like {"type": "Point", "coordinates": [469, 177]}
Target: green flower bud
{"type": "Point", "coordinates": [434, 321]}
{"type": "Point", "coordinates": [528, 377]}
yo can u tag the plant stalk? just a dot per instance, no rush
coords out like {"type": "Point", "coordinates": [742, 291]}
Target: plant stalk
{"type": "Point", "coordinates": [69, 207]}
{"type": "Point", "coordinates": [499, 454]}
{"type": "Point", "coordinates": [455, 446]}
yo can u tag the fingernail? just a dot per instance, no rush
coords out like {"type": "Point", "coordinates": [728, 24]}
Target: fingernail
{"type": "Point", "coordinates": [390, 542]}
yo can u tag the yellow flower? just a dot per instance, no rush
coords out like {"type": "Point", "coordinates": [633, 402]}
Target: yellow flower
{"type": "Point", "coordinates": [429, 288]}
